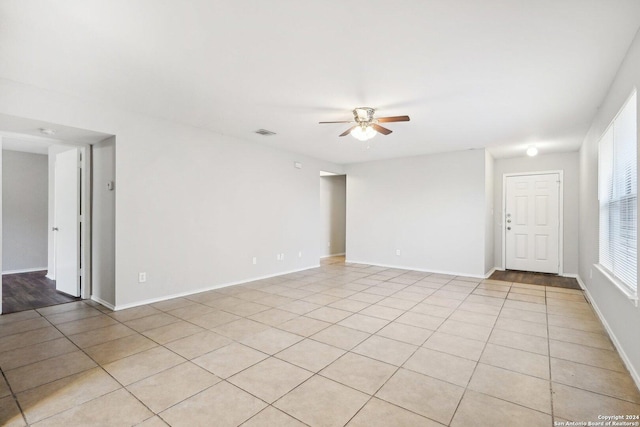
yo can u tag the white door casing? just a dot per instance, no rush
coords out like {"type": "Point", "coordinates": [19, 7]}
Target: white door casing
{"type": "Point", "coordinates": [67, 222]}
{"type": "Point", "coordinates": [532, 222]}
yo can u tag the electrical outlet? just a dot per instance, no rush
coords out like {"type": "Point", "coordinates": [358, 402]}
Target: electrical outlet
{"type": "Point", "coordinates": [142, 277]}
{"type": "Point", "coordinates": [300, 254]}
{"type": "Point", "coordinates": [398, 252]}
{"type": "Point", "coordinates": [255, 260]}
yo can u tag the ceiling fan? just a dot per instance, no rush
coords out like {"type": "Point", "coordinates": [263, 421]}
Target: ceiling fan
{"type": "Point", "coordinates": [366, 126]}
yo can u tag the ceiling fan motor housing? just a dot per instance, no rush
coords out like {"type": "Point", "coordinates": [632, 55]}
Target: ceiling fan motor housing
{"type": "Point", "coordinates": [363, 115]}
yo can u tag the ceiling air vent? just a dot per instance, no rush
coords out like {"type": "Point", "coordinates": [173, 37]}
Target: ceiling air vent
{"type": "Point", "coordinates": [265, 132]}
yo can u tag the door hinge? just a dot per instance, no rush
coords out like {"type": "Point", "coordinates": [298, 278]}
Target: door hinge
{"type": "Point", "coordinates": [80, 272]}
{"type": "Point", "coordinates": [80, 218]}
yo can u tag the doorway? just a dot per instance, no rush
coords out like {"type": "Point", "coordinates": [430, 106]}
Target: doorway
{"type": "Point", "coordinates": [333, 205]}
{"type": "Point", "coordinates": [532, 234]}
{"type": "Point", "coordinates": [42, 186]}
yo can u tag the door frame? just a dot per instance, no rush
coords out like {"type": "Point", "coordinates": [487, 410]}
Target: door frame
{"type": "Point", "coordinates": [85, 203]}
{"type": "Point", "coordinates": [560, 215]}
{"type": "Point", "coordinates": [85, 234]}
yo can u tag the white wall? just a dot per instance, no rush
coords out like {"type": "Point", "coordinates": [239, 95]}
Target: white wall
{"type": "Point", "coordinates": [567, 162]}
{"type": "Point", "coordinates": [489, 215]}
{"type": "Point", "coordinates": [24, 194]}
{"type": "Point", "coordinates": [621, 316]}
{"type": "Point", "coordinates": [1, 235]}
{"type": "Point", "coordinates": [333, 199]}
{"type": "Point", "coordinates": [103, 210]}
{"type": "Point", "coordinates": [192, 206]}
{"type": "Point", "coordinates": [431, 208]}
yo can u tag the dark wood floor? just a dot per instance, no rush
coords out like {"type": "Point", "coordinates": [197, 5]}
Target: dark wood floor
{"type": "Point", "coordinates": [542, 279]}
{"type": "Point", "coordinates": [26, 291]}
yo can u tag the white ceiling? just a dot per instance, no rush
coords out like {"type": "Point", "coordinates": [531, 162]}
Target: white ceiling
{"type": "Point", "coordinates": [471, 74]}
{"type": "Point", "coordinates": [20, 134]}
{"type": "Point", "coordinates": [25, 146]}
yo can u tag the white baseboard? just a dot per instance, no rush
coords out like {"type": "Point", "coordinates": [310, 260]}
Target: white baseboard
{"type": "Point", "coordinates": [583, 287]}
{"type": "Point", "coordinates": [102, 302]}
{"type": "Point", "coordinates": [612, 335]}
{"type": "Point", "coordinates": [404, 267]}
{"type": "Point", "coordinates": [487, 275]}
{"type": "Point", "coordinates": [24, 270]}
{"type": "Point", "coordinates": [330, 255]}
{"type": "Point", "coordinates": [209, 288]}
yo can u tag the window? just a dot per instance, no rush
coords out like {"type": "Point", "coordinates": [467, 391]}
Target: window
{"type": "Point", "coordinates": [618, 196]}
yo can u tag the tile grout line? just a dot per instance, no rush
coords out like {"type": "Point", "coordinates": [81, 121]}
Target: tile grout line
{"type": "Point", "coordinates": [187, 360]}
{"type": "Point", "coordinates": [375, 332]}
{"type": "Point", "coordinates": [336, 285]}
{"type": "Point", "coordinates": [348, 386]}
{"type": "Point", "coordinates": [464, 392]}
{"type": "Point", "coordinates": [551, 400]}
{"type": "Point", "coordinates": [373, 395]}
{"type": "Point", "coordinates": [15, 398]}
{"type": "Point", "coordinates": [122, 386]}
{"type": "Point", "coordinates": [50, 382]}
{"type": "Point", "coordinates": [498, 398]}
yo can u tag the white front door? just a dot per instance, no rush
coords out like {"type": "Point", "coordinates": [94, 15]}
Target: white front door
{"type": "Point", "coordinates": [532, 223]}
{"type": "Point", "coordinates": [67, 222]}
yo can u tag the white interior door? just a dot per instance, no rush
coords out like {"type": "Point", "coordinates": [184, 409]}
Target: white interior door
{"type": "Point", "coordinates": [532, 223]}
{"type": "Point", "coordinates": [67, 222]}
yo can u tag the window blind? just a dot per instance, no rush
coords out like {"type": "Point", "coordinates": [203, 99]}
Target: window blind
{"type": "Point", "coordinates": [618, 196]}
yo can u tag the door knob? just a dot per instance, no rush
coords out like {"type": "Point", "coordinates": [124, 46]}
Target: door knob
{"type": "Point", "coordinates": [508, 228]}
{"type": "Point", "coordinates": [54, 229]}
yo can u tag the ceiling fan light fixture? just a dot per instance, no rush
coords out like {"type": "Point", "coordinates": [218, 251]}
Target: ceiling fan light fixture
{"type": "Point", "coordinates": [366, 125]}
{"type": "Point", "coordinates": [363, 133]}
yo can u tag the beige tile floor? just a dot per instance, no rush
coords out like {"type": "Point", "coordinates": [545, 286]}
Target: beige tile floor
{"type": "Point", "coordinates": [337, 345]}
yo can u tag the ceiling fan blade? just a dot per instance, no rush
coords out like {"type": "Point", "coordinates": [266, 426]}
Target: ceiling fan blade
{"type": "Point", "coordinates": [344, 121]}
{"type": "Point", "coordinates": [348, 131]}
{"type": "Point", "coordinates": [380, 129]}
{"type": "Point", "coordinates": [393, 119]}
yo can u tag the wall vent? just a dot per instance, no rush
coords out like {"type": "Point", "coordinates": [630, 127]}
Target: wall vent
{"type": "Point", "coordinates": [265, 132]}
